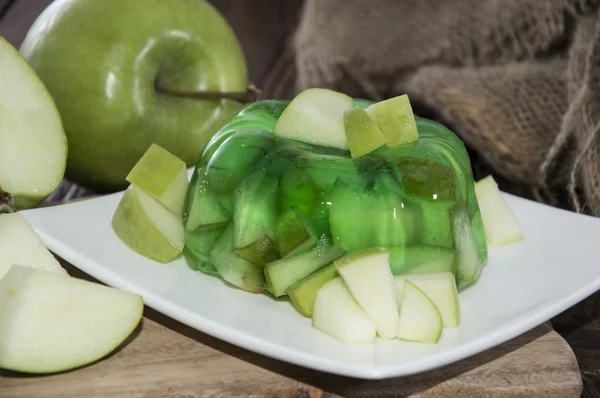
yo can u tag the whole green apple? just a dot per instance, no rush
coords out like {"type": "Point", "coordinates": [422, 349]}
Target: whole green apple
{"type": "Point", "coordinates": [117, 69]}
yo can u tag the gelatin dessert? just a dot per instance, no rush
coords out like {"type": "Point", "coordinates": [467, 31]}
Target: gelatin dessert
{"type": "Point", "coordinates": [286, 188]}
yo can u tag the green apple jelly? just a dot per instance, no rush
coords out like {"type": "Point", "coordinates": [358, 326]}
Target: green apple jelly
{"type": "Point", "coordinates": [265, 212]}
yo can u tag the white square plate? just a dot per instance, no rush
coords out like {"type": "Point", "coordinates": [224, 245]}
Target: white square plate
{"type": "Point", "coordinates": [522, 286]}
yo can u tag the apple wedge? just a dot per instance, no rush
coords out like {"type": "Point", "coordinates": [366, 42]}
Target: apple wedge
{"type": "Point", "coordinates": [419, 320]}
{"type": "Point", "coordinates": [369, 278]}
{"type": "Point", "coordinates": [49, 323]}
{"type": "Point", "coordinates": [440, 287]}
{"type": "Point", "coordinates": [163, 176]}
{"type": "Point", "coordinates": [20, 245]}
{"type": "Point", "coordinates": [304, 293]}
{"type": "Point", "coordinates": [499, 222]}
{"type": "Point", "coordinates": [33, 145]}
{"type": "Point", "coordinates": [337, 314]}
{"type": "Point", "coordinates": [147, 227]}
{"type": "Point", "coordinates": [315, 116]}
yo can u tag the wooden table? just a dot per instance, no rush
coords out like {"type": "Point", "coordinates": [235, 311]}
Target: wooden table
{"type": "Point", "coordinates": [580, 325]}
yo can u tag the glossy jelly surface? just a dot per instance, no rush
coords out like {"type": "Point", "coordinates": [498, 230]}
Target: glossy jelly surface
{"type": "Point", "coordinates": [265, 212]}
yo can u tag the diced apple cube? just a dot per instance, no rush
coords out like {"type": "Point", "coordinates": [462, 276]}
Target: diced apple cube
{"type": "Point", "coordinates": [396, 120]}
{"type": "Point", "coordinates": [163, 176]}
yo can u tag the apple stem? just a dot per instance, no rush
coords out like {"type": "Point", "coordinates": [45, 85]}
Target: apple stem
{"type": "Point", "coordinates": [251, 94]}
{"type": "Point", "coordinates": [6, 203]}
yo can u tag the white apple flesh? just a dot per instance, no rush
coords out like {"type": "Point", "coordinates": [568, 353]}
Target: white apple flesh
{"type": "Point", "coordinates": [499, 222]}
{"type": "Point", "coordinates": [440, 287]}
{"type": "Point", "coordinates": [20, 245]}
{"type": "Point", "coordinates": [147, 227]}
{"type": "Point", "coordinates": [337, 314]}
{"type": "Point", "coordinates": [369, 278]}
{"type": "Point", "coordinates": [316, 116]}
{"type": "Point", "coordinates": [49, 323]}
{"type": "Point", "coordinates": [33, 145]}
{"type": "Point", "coordinates": [420, 320]}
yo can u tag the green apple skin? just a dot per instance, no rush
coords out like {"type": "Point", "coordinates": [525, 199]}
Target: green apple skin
{"type": "Point", "coordinates": [147, 227]}
{"type": "Point", "coordinates": [102, 61]}
{"type": "Point", "coordinates": [162, 176]}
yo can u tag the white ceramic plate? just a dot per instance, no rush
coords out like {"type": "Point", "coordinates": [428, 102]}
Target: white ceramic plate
{"type": "Point", "coordinates": [522, 286]}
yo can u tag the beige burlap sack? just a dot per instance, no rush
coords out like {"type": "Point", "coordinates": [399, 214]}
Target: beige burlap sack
{"type": "Point", "coordinates": [517, 80]}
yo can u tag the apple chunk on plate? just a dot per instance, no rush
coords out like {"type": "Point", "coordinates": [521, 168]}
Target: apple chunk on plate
{"type": "Point", "coordinates": [337, 314]}
{"type": "Point", "coordinates": [369, 278]}
{"type": "Point", "coordinates": [441, 289]}
{"type": "Point", "coordinates": [19, 244]}
{"type": "Point", "coordinates": [33, 145]}
{"type": "Point", "coordinates": [49, 323]}
{"type": "Point", "coordinates": [420, 320]}
{"type": "Point", "coordinates": [148, 217]}
{"type": "Point", "coordinates": [499, 222]}
{"type": "Point", "coordinates": [147, 227]}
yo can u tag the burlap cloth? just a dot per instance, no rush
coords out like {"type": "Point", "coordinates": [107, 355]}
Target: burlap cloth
{"type": "Point", "coordinates": [517, 80]}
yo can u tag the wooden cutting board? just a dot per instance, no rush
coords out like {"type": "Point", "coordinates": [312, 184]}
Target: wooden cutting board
{"type": "Point", "coordinates": [164, 358]}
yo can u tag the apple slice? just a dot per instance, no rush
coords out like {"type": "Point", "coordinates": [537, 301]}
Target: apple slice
{"type": "Point", "coordinates": [440, 287]}
{"type": "Point", "coordinates": [420, 320]}
{"type": "Point", "coordinates": [468, 261]}
{"type": "Point", "coordinates": [33, 145]}
{"type": "Point", "coordinates": [147, 227]}
{"type": "Point", "coordinates": [396, 120]}
{"type": "Point", "coordinates": [499, 222]}
{"type": "Point", "coordinates": [304, 293]}
{"type": "Point", "coordinates": [337, 314]}
{"type": "Point", "coordinates": [49, 323]}
{"type": "Point", "coordinates": [163, 176]}
{"type": "Point", "coordinates": [315, 116]}
{"type": "Point", "coordinates": [369, 278]}
{"type": "Point", "coordinates": [362, 133]}
{"type": "Point", "coordinates": [19, 244]}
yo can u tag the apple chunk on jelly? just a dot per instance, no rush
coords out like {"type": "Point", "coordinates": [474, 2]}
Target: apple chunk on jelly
{"type": "Point", "coordinates": [289, 187]}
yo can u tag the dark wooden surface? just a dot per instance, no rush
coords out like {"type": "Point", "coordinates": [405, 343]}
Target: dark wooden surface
{"type": "Point", "coordinates": [263, 27]}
